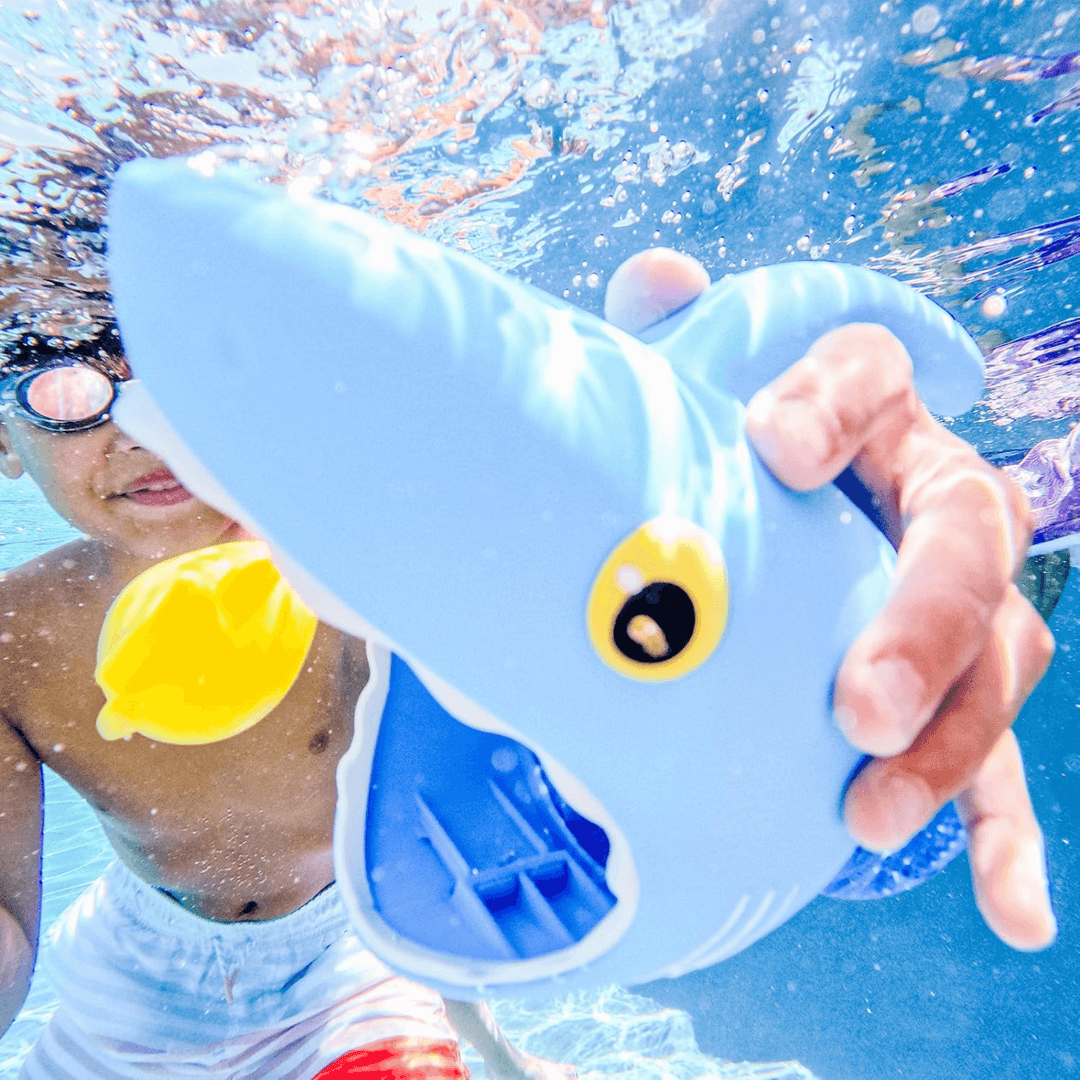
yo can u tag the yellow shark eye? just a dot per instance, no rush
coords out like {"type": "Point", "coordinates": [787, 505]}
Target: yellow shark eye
{"type": "Point", "coordinates": [659, 605]}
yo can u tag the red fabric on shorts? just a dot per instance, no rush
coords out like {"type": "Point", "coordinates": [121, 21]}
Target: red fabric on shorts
{"type": "Point", "coordinates": [404, 1058]}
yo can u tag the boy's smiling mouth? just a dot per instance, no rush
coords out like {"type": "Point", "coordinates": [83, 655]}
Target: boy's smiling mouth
{"type": "Point", "coordinates": [157, 488]}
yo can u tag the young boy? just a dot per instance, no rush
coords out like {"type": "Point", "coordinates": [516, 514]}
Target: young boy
{"type": "Point", "coordinates": [224, 850]}
{"type": "Point", "coordinates": [216, 945]}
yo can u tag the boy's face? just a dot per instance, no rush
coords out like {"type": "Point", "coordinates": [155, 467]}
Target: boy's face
{"type": "Point", "coordinates": [110, 488]}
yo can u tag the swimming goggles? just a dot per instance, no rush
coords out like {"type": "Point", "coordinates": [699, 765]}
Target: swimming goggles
{"type": "Point", "coordinates": [63, 397]}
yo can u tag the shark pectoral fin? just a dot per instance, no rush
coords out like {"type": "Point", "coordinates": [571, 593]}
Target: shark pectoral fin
{"type": "Point", "coordinates": [461, 844]}
{"type": "Point", "coordinates": [871, 876]}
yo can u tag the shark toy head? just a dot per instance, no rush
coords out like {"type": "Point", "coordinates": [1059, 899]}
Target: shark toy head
{"type": "Point", "coordinates": [596, 745]}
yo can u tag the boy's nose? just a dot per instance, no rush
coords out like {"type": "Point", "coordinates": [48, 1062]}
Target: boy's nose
{"type": "Point", "coordinates": [119, 441]}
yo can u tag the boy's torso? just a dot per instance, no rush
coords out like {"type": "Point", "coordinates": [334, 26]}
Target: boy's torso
{"type": "Point", "coordinates": [239, 828]}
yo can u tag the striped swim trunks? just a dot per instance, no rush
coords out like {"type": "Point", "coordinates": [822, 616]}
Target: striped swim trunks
{"type": "Point", "coordinates": [148, 989]}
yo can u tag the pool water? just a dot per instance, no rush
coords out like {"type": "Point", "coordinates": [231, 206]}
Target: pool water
{"type": "Point", "coordinates": [933, 141]}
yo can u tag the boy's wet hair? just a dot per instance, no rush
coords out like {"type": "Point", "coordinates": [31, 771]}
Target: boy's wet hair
{"type": "Point", "coordinates": [31, 350]}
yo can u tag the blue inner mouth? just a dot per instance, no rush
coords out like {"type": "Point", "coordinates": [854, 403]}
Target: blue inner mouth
{"type": "Point", "coordinates": [469, 848]}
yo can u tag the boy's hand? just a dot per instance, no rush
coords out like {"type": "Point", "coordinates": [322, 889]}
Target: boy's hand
{"type": "Point", "coordinates": [932, 686]}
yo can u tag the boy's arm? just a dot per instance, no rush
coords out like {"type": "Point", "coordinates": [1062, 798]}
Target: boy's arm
{"type": "Point", "coordinates": [472, 1020]}
{"type": "Point", "coordinates": [20, 868]}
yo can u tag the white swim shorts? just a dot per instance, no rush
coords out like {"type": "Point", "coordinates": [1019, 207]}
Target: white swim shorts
{"type": "Point", "coordinates": [148, 989]}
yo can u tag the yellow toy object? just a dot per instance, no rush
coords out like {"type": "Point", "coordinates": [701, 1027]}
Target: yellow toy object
{"type": "Point", "coordinates": [201, 647]}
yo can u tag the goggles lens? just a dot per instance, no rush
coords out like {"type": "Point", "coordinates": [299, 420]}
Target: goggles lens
{"type": "Point", "coordinates": [69, 397]}
{"type": "Point", "coordinates": [69, 394]}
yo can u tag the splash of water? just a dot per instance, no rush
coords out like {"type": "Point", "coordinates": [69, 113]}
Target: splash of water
{"type": "Point", "coordinates": [1037, 375]}
{"type": "Point", "coordinates": [360, 103]}
{"type": "Point", "coordinates": [1006, 68]}
{"type": "Point", "coordinates": [987, 263]}
{"type": "Point", "coordinates": [319, 95]}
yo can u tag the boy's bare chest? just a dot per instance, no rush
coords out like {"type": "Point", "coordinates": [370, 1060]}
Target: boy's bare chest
{"type": "Point", "coordinates": [273, 780]}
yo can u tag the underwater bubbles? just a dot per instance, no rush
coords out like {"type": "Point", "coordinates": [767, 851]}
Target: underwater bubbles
{"type": "Point", "coordinates": [924, 20]}
{"type": "Point", "coordinates": [945, 95]}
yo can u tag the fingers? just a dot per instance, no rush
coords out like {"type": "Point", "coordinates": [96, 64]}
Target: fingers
{"type": "Point", "coordinates": [935, 681]}
{"type": "Point", "coordinates": [937, 481]}
{"type": "Point", "coordinates": [962, 527]}
{"type": "Point", "coordinates": [933, 684]}
{"type": "Point", "coordinates": [854, 387]}
{"type": "Point", "coordinates": [1006, 852]}
{"type": "Point", "coordinates": [954, 573]}
{"type": "Point", "coordinates": [895, 796]}
{"type": "Point", "coordinates": [967, 532]}
{"type": "Point", "coordinates": [651, 285]}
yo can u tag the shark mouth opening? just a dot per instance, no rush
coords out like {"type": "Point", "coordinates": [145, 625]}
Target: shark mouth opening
{"type": "Point", "coordinates": [470, 849]}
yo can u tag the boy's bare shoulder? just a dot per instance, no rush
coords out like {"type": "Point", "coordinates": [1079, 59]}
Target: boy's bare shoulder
{"type": "Point", "coordinates": [55, 601]}
{"type": "Point", "coordinates": [54, 577]}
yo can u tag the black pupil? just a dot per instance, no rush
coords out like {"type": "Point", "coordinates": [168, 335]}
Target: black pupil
{"type": "Point", "coordinates": [655, 624]}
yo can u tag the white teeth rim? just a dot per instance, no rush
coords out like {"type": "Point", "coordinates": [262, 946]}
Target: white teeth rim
{"type": "Point", "coordinates": [168, 485]}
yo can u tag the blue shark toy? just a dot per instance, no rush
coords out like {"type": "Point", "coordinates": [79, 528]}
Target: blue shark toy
{"type": "Point", "coordinates": [596, 745]}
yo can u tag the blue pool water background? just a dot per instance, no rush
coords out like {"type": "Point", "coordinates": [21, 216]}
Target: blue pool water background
{"type": "Point", "coordinates": [935, 142]}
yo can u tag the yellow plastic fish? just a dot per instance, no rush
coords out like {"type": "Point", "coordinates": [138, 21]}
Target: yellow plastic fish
{"type": "Point", "coordinates": [201, 647]}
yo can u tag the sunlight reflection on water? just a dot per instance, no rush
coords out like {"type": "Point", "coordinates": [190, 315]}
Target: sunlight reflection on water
{"type": "Point", "coordinates": [553, 139]}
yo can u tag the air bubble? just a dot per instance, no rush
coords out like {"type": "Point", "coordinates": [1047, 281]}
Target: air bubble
{"type": "Point", "coordinates": [945, 95]}
{"type": "Point", "coordinates": [924, 20]}
{"type": "Point", "coordinates": [205, 164]}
